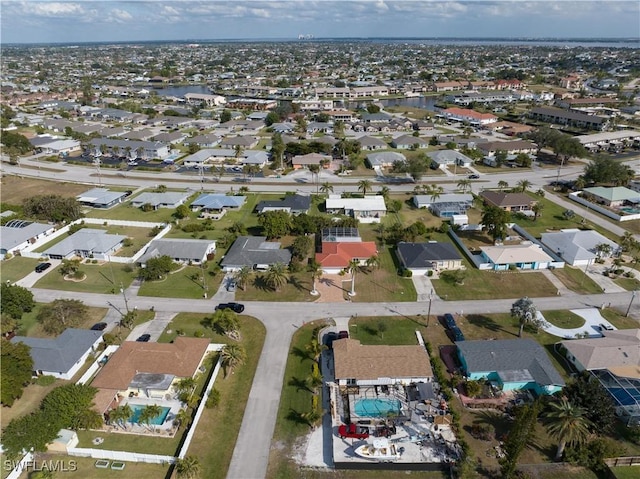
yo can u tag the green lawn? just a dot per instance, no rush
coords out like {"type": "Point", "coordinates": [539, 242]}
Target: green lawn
{"type": "Point", "coordinates": [127, 212]}
{"type": "Point", "coordinates": [29, 325]}
{"type": "Point", "coordinates": [629, 472]}
{"type": "Point", "coordinates": [16, 268]}
{"type": "Point", "coordinates": [105, 277]}
{"type": "Point", "coordinates": [131, 442]}
{"type": "Point", "coordinates": [630, 284]}
{"type": "Point", "coordinates": [576, 280]}
{"type": "Point", "coordinates": [190, 323]}
{"type": "Point", "coordinates": [563, 319]}
{"type": "Point", "coordinates": [186, 282]}
{"type": "Point", "coordinates": [390, 330]}
{"type": "Point", "coordinates": [296, 289]}
{"type": "Point", "coordinates": [618, 319]}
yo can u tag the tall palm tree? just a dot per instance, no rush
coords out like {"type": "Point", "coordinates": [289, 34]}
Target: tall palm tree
{"type": "Point", "coordinates": [315, 172]}
{"type": "Point", "coordinates": [314, 349]}
{"type": "Point", "coordinates": [188, 468]}
{"type": "Point", "coordinates": [566, 423]}
{"type": "Point", "coordinates": [316, 273]}
{"type": "Point", "coordinates": [121, 415]}
{"type": "Point", "coordinates": [149, 413]}
{"type": "Point", "coordinates": [524, 185]}
{"type": "Point", "coordinates": [373, 261]}
{"type": "Point", "coordinates": [464, 185]}
{"type": "Point", "coordinates": [354, 266]}
{"type": "Point", "coordinates": [232, 355]}
{"type": "Point", "coordinates": [435, 192]}
{"type": "Point", "coordinates": [225, 321]}
{"type": "Point", "coordinates": [525, 312]}
{"type": "Point", "coordinates": [326, 188]}
{"type": "Point", "coordinates": [537, 210]}
{"type": "Point", "coordinates": [242, 277]}
{"type": "Point", "coordinates": [384, 192]}
{"type": "Point", "coordinates": [185, 388]}
{"type": "Point", "coordinates": [276, 276]}
{"type": "Point", "coordinates": [183, 418]}
{"type": "Point", "coordinates": [364, 186]}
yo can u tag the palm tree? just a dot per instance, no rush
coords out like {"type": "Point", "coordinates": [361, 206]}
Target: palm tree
{"type": "Point", "coordinates": [225, 321]}
{"type": "Point", "coordinates": [311, 417]}
{"type": "Point", "coordinates": [503, 185]}
{"type": "Point", "coordinates": [326, 188]}
{"type": "Point", "coordinates": [188, 468]}
{"type": "Point", "coordinates": [364, 186]}
{"type": "Point", "coordinates": [435, 191]}
{"type": "Point", "coordinates": [316, 273]}
{"type": "Point", "coordinates": [384, 192]}
{"type": "Point", "coordinates": [525, 312]}
{"type": "Point", "coordinates": [149, 413]}
{"type": "Point", "coordinates": [373, 262]}
{"type": "Point", "coordinates": [183, 418]}
{"type": "Point", "coordinates": [566, 423]}
{"type": "Point", "coordinates": [464, 185]}
{"type": "Point", "coordinates": [537, 210]}
{"type": "Point", "coordinates": [120, 415]}
{"type": "Point", "coordinates": [315, 172]}
{"type": "Point", "coordinates": [242, 277]}
{"type": "Point", "coordinates": [354, 266]}
{"type": "Point", "coordinates": [314, 349]}
{"type": "Point", "coordinates": [524, 185]}
{"type": "Point", "coordinates": [238, 151]}
{"type": "Point", "coordinates": [185, 388]}
{"type": "Point", "coordinates": [314, 380]}
{"type": "Point", "coordinates": [276, 276]}
{"type": "Point", "coordinates": [232, 355]}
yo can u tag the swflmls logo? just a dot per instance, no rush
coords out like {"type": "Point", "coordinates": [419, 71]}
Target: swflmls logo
{"type": "Point", "coordinates": [36, 466]}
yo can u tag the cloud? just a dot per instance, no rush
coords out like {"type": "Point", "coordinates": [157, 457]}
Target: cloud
{"type": "Point", "coordinates": [119, 16]}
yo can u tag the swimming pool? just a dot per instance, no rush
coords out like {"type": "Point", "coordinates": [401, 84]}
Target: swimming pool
{"type": "Point", "coordinates": [630, 210]}
{"type": "Point", "coordinates": [377, 407]}
{"type": "Point", "coordinates": [137, 410]}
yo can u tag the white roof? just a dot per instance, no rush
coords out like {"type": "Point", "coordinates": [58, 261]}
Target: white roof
{"type": "Point", "coordinates": [519, 253]}
{"type": "Point", "coordinates": [368, 203]}
{"type": "Point", "coordinates": [575, 245]}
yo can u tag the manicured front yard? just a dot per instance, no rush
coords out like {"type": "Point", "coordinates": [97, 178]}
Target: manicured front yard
{"type": "Point", "coordinates": [297, 289]}
{"type": "Point", "coordinates": [29, 325]}
{"type": "Point", "coordinates": [186, 282]}
{"type": "Point", "coordinates": [563, 319]}
{"type": "Point", "coordinates": [576, 280]}
{"type": "Point", "coordinates": [16, 268]}
{"type": "Point", "coordinates": [104, 277]}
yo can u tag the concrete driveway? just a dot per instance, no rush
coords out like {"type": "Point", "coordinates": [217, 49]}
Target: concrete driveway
{"type": "Point", "coordinates": [29, 280]}
{"type": "Point", "coordinates": [592, 320]}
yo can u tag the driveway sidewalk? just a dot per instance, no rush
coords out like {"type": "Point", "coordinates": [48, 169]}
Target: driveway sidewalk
{"type": "Point", "coordinates": [592, 320]}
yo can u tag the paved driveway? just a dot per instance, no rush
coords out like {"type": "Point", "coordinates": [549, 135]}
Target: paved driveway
{"type": "Point", "coordinates": [592, 320]}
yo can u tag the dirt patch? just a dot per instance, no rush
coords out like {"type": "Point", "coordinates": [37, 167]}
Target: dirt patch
{"type": "Point", "coordinates": [16, 189]}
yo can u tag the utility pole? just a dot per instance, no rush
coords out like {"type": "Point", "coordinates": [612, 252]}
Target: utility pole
{"type": "Point", "coordinates": [126, 303]}
{"type": "Point", "coordinates": [633, 296]}
{"type": "Point", "coordinates": [429, 310]}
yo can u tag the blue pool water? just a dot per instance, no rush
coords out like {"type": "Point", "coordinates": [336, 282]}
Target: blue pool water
{"type": "Point", "coordinates": [630, 210]}
{"type": "Point", "coordinates": [377, 407]}
{"type": "Point", "coordinates": [137, 410]}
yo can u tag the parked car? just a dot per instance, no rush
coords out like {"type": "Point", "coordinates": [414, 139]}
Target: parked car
{"type": "Point", "coordinates": [474, 177]}
{"type": "Point", "coordinates": [236, 307]}
{"type": "Point", "coordinates": [352, 431]}
{"type": "Point", "coordinates": [329, 338]}
{"type": "Point", "coordinates": [99, 327]}
{"type": "Point", "coordinates": [144, 338]}
{"type": "Point", "coordinates": [343, 335]}
{"type": "Point", "coordinates": [449, 321]}
{"type": "Point", "coordinates": [42, 267]}
{"type": "Point", "coordinates": [231, 286]}
{"type": "Point", "coordinates": [457, 334]}
{"type": "Point", "coordinates": [606, 327]}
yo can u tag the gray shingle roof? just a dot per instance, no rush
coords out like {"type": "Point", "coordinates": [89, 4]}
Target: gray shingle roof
{"type": "Point", "coordinates": [421, 255]}
{"type": "Point", "coordinates": [60, 354]}
{"type": "Point", "coordinates": [293, 203]}
{"type": "Point", "coordinates": [177, 249]}
{"type": "Point", "coordinates": [10, 237]}
{"type": "Point", "coordinates": [254, 250]}
{"type": "Point", "coordinates": [217, 202]}
{"type": "Point", "coordinates": [157, 199]}
{"type": "Point", "coordinates": [512, 359]}
{"type": "Point", "coordinates": [86, 239]}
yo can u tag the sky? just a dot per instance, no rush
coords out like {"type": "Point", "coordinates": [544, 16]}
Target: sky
{"type": "Point", "coordinates": [42, 21]}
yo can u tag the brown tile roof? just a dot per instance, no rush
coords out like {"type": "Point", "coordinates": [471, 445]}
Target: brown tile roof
{"type": "Point", "coordinates": [180, 358]}
{"type": "Point", "coordinates": [339, 254]}
{"type": "Point", "coordinates": [502, 200]}
{"type": "Point", "coordinates": [355, 361]}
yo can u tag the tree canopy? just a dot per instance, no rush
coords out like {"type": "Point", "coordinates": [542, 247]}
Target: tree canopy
{"type": "Point", "coordinates": [16, 300]}
{"type": "Point", "coordinates": [587, 393]}
{"type": "Point", "coordinates": [495, 221]}
{"type": "Point", "coordinates": [54, 208]}
{"type": "Point", "coordinates": [607, 170]}
{"type": "Point", "coordinates": [416, 166]}
{"type": "Point", "coordinates": [62, 314]}
{"type": "Point", "coordinates": [275, 224]}
{"type": "Point", "coordinates": [157, 268]}
{"type": "Point", "coordinates": [16, 367]}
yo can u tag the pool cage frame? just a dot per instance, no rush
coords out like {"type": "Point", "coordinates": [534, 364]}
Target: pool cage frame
{"type": "Point", "coordinates": [631, 388]}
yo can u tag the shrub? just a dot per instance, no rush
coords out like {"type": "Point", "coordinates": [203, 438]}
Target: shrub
{"type": "Point", "coordinates": [78, 274]}
{"type": "Point", "coordinates": [127, 242]}
{"type": "Point", "coordinates": [407, 273]}
{"type": "Point", "coordinates": [483, 432]}
{"type": "Point", "coordinates": [198, 334]}
{"type": "Point", "coordinates": [430, 273]}
{"type": "Point", "coordinates": [213, 401]}
{"type": "Point", "coordinates": [127, 268]}
{"type": "Point", "coordinates": [193, 228]}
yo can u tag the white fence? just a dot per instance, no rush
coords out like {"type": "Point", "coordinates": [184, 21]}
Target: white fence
{"type": "Point", "coordinates": [574, 196]}
{"type": "Point", "coordinates": [203, 401]}
{"type": "Point", "coordinates": [25, 463]}
{"type": "Point", "coordinates": [96, 364]}
{"type": "Point", "coordinates": [120, 455]}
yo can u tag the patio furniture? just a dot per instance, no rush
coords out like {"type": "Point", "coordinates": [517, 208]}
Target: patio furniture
{"type": "Point", "coordinates": [102, 464]}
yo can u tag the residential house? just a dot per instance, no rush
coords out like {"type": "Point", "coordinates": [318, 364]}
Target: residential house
{"type": "Point", "coordinates": [470, 116]}
{"type": "Point", "coordinates": [523, 256]}
{"type": "Point", "coordinates": [254, 252]}
{"type": "Point", "coordinates": [510, 364]}
{"type": "Point", "coordinates": [292, 204]}
{"type": "Point", "coordinates": [304, 161]}
{"type": "Point", "coordinates": [443, 158]}
{"type": "Point", "coordinates": [568, 117]}
{"type": "Point", "coordinates": [133, 149]}
{"type": "Point", "coordinates": [168, 199]}
{"type": "Point", "coordinates": [615, 361]}
{"type": "Point", "coordinates": [283, 128]}
{"type": "Point", "coordinates": [421, 258]}
{"type": "Point", "coordinates": [579, 247]}
{"type": "Point", "coordinates": [149, 370]}
{"type": "Point", "coordinates": [613, 197]}
{"type": "Point", "coordinates": [380, 365]}
{"type": "Point", "coordinates": [245, 142]}
{"type": "Point", "coordinates": [258, 158]}
{"type": "Point", "coordinates": [101, 198]}
{"type": "Point", "coordinates": [379, 117]}
{"type": "Point", "coordinates": [86, 243]}
{"type": "Point", "coordinates": [179, 250]}
{"type": "Point", "coordinates": [63, 356]}
{"type": "Point", "coordinates": [371, 143]}
{"type": "Point", "coordinates": [215, 203]}
{"type": "Point", "coordinates": [138, 135]}
{"type": "Point", "coordinates": [335, 256]}
{"type": "Point", "coordinates": [385, 159]}
{"type": "Point", "coordinates": [208, 140]}
{"type": "Point", "coordinates": [18, 235]}
{"type": "Point", "coordinates": [171, 137]}
{"type": "Point", "coordinates": [409, 142]}
{"type": "Point", "coordinates": [340, 234]}
{"type": "Point", "coordinates": [508, 201]}
{"type": "Point", "coordinates": [367, 210]}
{"type": "Point", "coordinates": [446, 205]}
{"type": "Point", "coordinates": [490, 148]}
